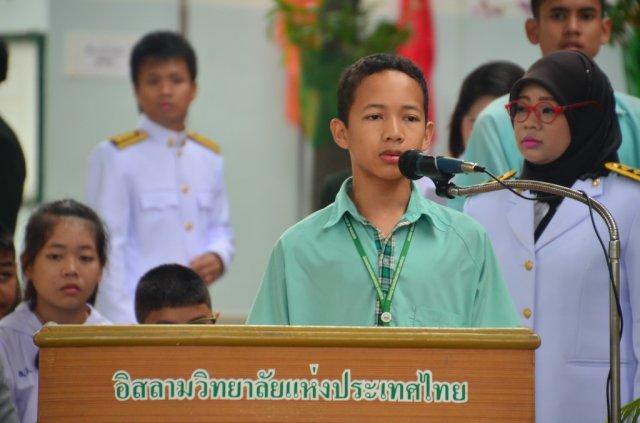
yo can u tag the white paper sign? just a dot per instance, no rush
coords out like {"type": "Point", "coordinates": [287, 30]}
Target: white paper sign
{"type": "Point", "coordinates": [94, 55]}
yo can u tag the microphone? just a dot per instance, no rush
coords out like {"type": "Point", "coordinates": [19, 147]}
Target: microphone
{"type": "Point", "coordinates": [414, 164]}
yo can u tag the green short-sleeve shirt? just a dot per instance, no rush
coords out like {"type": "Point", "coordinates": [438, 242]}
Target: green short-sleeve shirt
{"type": "Point", "coordinates": [450, 276]}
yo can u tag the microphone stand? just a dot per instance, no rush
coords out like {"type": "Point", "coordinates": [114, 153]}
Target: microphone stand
{"type": "Point", "coordinates": [446, 188]}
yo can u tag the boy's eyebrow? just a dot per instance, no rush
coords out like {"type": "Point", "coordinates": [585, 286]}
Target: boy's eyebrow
{"type": "Point", "coordinates": [382, 106]}
{"type": "Point", "coordinates": [412, 107]}
{"type": "Point", "coordinates": [374, 106]}
{"type": "Point", "coordinates": [580, 10]}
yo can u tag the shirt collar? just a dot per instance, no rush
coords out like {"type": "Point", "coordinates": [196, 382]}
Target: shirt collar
{"type": "Point", "coordinates": [162, 134]}
{"type": "Point", "coordinates": [417, 207]}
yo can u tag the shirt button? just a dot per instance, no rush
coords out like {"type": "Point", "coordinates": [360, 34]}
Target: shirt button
{"type": "Point", "coordinates": [183, 142]}
{"type": "Point", "coordinates": [188, 226]}
{"type": "Point", "coordinates": [184, 188]}
{"type": "Point", "coordinates": [171, 142]}
{"type": "Point", "coordinates": [596, 182]}
{"type": "Point", "coordinates": [526, 313]}
{"type": "Point", "coordinates": [528, 265]}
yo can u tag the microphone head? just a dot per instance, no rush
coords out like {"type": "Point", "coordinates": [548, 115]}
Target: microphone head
{"type": "Point", "coordinates": [408, 164]}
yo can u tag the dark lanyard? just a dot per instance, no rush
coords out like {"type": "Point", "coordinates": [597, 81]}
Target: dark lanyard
{"type": "Point", "coordinates": [385, 301]}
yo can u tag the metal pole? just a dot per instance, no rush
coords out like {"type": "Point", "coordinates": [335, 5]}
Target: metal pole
{"type": "Point", "coordinates": [183, 23]}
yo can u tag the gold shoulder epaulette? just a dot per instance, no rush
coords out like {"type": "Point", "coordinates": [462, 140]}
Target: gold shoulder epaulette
{"type": "Point", "coordinates": [624, 170]}
{"type": "Point", "coordinates": [204, 141]}
{"type": "Point", "coordinates": [507, 175]}
{"type": "Point", "coordinates": [129, 138]}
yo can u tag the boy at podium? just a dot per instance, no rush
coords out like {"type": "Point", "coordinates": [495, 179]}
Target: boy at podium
{"type": "Point", "coordinates": [381, 254]}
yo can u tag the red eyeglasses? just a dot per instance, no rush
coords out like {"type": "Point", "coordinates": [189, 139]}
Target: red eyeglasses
{"type": "Point", "coordinates": [519, 111]}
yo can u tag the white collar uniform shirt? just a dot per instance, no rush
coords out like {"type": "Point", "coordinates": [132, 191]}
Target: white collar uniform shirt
{"type": "Point", "coordinates": [560, 286]}
{"type": "Point", "coordinates": [19, 355]}
{"type": "Point", "coordinates": [163, 200]}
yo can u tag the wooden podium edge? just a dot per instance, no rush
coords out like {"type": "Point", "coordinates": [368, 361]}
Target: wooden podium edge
{"type": "Point", "coordinates": [52, 335]}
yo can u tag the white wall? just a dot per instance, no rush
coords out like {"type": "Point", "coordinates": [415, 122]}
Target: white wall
{"type": "Point", "coordinates": [240, 102]}
{"type": "Point", "coordinates": [23, 15]}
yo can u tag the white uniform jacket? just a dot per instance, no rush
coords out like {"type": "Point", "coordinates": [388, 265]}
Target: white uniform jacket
{"type": "Point", "coordinates": [163, 200]}
{"type": "Point", "coordinates": [19, 355]}
{"type": "Point", "coordinates": [560, 286]}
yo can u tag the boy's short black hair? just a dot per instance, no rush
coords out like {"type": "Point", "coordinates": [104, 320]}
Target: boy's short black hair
{"type": "Point", "coordinates": [162, 46]}
{"type": "Point", "coordinates": [4, 60]}
{"type": "Point", "coordinates": [535, 7]}
{"type": "Point", "coordinates": [169, 285]}
{"type": "Point", "coordinates": [353, 76]}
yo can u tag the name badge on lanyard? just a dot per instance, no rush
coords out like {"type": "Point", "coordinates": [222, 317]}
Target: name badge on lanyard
{"type": "Point", "coordinates": [385, 300]}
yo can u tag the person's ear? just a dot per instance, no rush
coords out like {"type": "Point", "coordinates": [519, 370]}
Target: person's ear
{"type": "Point", "coordinates": [606, 30]}
{"type": "Point", "coordinates": [532, 29]}
{"type": "Point", "coordinates": [26, 270]}
{"type": "Point", "coordinates": [339, 132]}
{"type": "Point", "coordinates": [428, 134]}
{"type": "Point", "coordinates": [194, 90]}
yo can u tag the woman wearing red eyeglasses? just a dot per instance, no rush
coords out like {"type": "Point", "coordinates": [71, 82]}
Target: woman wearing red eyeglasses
{"type": "Point", "coordinates": [563, 114]}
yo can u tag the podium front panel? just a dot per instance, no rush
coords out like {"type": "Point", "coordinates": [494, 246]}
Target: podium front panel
{"type": "Point", "coordinates": [284, 374]}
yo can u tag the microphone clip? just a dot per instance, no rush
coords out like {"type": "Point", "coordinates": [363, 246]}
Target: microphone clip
{"type": "Point", "coordinates": [443, 183]}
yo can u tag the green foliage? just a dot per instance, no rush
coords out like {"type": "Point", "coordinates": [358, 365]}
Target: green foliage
{"type": "Point", "coordinates": [625, 16]}
{"type": "Point", "coordinates": [330, 35]}
{"type": "Point", "coordinates": [342, 26]}
{"type": "Point", "coordinates": [631, 412]}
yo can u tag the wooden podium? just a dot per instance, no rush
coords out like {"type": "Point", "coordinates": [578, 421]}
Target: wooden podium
{"type": "Point", "coordinates": [201, 373]}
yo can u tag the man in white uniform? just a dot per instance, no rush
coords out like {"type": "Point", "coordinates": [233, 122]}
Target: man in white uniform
{"type": "Point", "coordinates": [159, 188]}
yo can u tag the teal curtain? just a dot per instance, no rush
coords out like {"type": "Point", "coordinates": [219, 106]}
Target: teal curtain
{"type": "Point", "coordinates": [631, 52]}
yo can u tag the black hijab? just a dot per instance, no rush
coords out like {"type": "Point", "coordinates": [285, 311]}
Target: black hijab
{"type": "Point", "coordinates": [572, 77]}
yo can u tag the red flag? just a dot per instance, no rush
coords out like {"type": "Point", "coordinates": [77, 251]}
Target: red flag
{"type": "Point", "coordinates": [292, 61]}
{"type": "Point", "coordinates": [421, 46]}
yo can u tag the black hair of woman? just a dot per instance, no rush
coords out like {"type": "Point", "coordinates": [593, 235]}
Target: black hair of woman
{"type": "Point", "coordinates": [492, 79]}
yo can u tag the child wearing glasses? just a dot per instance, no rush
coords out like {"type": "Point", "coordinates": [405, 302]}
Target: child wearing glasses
{"type": "Point", "coordinates": [565, 125]}
{"type": "Point", "coordinates": [172, 294]}
{"type": "Point", "coordinates": [65, 251]}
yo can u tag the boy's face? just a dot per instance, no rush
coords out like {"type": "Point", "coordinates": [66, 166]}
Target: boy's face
{"type": "Point", "coordinates": [8, 282]}
{"type": "Point", "coordinates": [178, 315]}
{"type": "Point", "coordinates": [569, 25]}
{"type": "Point", "coordinates": [165, 91]}
{"type": "Point", "coordinates": [386, 119]}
